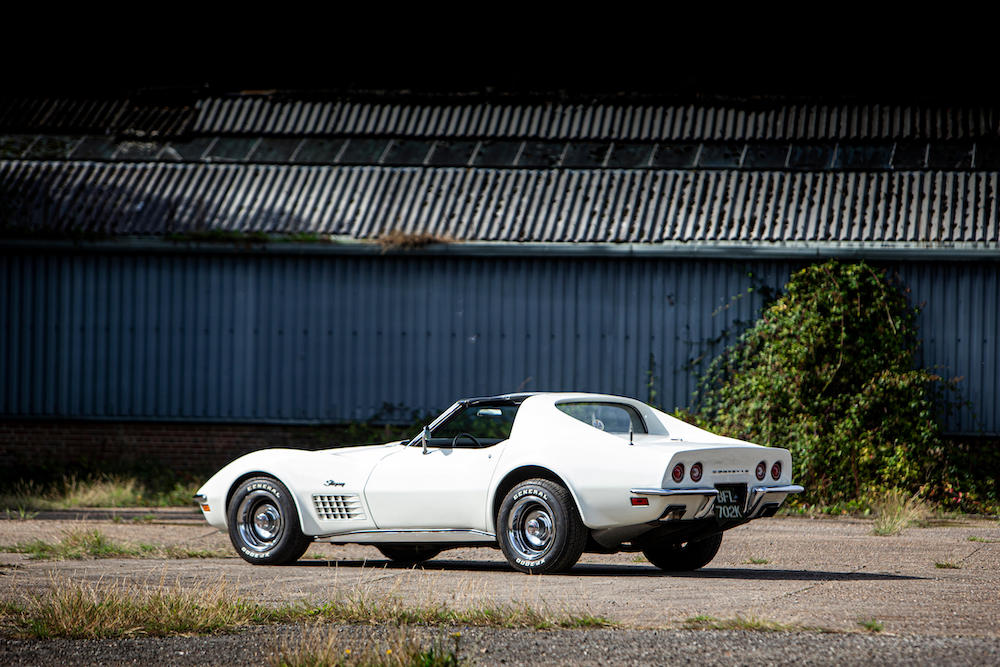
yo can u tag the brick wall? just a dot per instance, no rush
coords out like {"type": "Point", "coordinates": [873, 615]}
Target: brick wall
{"type": "Point", "coordinates": [182, 446]}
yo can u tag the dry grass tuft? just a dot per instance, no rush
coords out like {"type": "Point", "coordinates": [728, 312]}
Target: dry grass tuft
{"type": "Point", "coordinates": [78, 544]}
{"type": "Point", "coordinates": [78, 611]}
{"type": "Point", "coordinates": [109, 491]}
{"type": "Point", "coordinates": [896, 510]}
{"type": "Point", "coordinates": [321, 646]}
{"type": "Point", "coordinates": [100, 611]}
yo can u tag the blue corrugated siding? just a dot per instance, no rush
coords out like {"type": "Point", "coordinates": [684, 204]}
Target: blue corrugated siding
{"type": "Point", "coordinates": [329, 338]}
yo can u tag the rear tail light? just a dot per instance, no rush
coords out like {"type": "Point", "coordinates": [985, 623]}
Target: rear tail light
{"type": "Point", "coordinates": [761, 470]}
{"type": "Point", "coordinates": [678, 473]}
{"type": "Point", "coordinates": [776, 470]}
{"type": "Point", "coordinates": [696, 472]}
{"type": "Point", "coordinates": [639, 502]}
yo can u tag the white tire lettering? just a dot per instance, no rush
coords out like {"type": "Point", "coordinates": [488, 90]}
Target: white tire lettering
{"type": "Point", "coordinates": [263, 485]}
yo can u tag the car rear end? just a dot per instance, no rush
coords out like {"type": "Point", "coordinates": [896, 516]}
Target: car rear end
{"type": "Point", "coordinates": [731, 484]}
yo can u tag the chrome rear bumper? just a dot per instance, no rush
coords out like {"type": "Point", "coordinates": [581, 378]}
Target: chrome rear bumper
{"type": "Point", "coordinates": [705, 498]}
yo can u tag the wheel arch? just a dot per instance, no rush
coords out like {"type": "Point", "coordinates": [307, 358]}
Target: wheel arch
{"type": "Point", "coordinates": [263, 473]}
{"type": "Point", "coordinates": [519, 474]}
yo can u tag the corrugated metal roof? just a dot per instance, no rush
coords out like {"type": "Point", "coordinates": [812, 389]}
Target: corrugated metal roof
{"type": "Point", "coordinates": [262, 115]}
{"type": "Point", "coordinates": [610, 206]}
{"type": "Point", "coordinates": [95, 116]}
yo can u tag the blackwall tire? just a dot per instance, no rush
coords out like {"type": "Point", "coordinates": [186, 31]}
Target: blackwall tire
{"type": "Point", "coordinates": [409, 554]}
{"type": "Point", "coordinates": [539, 527]}
{"type": "Point", "coordinates": [264, 524]}
{"type": "Point", "coordinates": [683, 557]}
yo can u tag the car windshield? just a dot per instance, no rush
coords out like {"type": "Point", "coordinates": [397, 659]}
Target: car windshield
{"type": "Point", "coordinates": [490, 422]}
{"type": "Point", "coordinates": [608, 417]}
{"type": "Point", "coordinates": [479, 425]}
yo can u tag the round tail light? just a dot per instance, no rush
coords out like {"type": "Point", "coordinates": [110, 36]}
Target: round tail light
{"type": "Point", "coordinates": [696, 472]}
{"type": "Point", "coordinates": [678, 473]}
{"type": "Point", "coordinates": [761, 470]}
{"type": "Point", "coordinates": [776, 470]}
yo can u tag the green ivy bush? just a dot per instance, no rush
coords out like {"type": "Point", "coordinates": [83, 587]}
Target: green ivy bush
{"type": "Point", "coordinates": [828, 373]}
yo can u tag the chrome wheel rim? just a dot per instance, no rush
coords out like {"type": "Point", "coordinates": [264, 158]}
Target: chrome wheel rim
{"type": "Point", "coordinates": [259, 521]}
{"type": "Point", "coordinates": [531, 528]}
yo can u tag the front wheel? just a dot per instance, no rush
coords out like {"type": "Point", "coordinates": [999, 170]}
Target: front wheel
{"type": "Point", "coordinates": [683, 556]}
{"type": "Point", "coordinates": [263, 523]}
{"type": "Point", "coordinates": [539, 527]}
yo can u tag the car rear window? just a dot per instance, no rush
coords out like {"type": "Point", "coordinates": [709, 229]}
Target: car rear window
{"type": "Point", "coordinates": [608, 417]}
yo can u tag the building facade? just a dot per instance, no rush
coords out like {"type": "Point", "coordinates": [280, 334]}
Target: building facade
{"type": "Point", "coordinates": [208, 266]}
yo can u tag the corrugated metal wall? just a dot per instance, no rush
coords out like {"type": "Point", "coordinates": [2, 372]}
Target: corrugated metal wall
{"type": "Point", "coordinates": [253, 337]}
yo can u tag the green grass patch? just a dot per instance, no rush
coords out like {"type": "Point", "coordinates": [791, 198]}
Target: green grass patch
{"type": "Point", "coordinates": [750, 623]}
{"type": "Point", "coordinates": [871, 625]}
{"type": "Point", "coordinates": [756, 561]}
{"type": "Point", "coordinates": [947, 565]}
{"type": "Point", "coordinates": [79, 611]}
{"type": "Point", "coordinates": [976, 538]}
{"type": "Point", "coordinates": [365, 609]}
{"type": "Point", "coordinates": [20, 513]}
{"type": "Point", "coordinates": [80, 544]}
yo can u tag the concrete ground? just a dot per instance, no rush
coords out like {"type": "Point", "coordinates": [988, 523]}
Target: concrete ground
{"type": "Point", "coordinates": [819, 573]}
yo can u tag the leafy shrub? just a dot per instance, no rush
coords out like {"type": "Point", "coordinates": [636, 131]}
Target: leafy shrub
{"type": "Point", "coordinates": [828, 372]}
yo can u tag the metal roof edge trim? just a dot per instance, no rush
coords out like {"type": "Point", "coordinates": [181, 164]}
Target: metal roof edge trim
{"type": "Point", "coordinates": [679, 250]}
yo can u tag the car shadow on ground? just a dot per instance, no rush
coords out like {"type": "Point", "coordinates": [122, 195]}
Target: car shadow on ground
{"type": "Point", "coordinates": [619, 570]}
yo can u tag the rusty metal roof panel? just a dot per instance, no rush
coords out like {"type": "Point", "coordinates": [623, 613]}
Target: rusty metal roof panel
{"type": "Point", "coordinates": [262, 115]}
{"type": "Point", "coordinates": [547, 205]}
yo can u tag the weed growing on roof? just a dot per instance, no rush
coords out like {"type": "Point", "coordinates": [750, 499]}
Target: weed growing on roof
{"type": "Point", "coordinates": [400, 240]}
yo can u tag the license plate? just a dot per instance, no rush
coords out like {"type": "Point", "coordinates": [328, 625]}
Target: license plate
{"type": "Point", "coordinates": [730, 501]}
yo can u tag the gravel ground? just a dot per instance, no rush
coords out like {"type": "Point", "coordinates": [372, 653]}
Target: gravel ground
{"type": "Point", "coordinates": [527, 647]}
{"type": "Point", "coordinates": [820, 573]}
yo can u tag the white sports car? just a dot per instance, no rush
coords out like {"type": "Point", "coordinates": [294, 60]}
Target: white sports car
{"type": "Point", "coordinates": [547, 476]}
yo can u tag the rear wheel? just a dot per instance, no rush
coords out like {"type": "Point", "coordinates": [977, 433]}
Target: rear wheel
{"type": "Point", "coordinates": [539, 527]}
{"type": "Point", "coordinates": [263, 523]}
{"type": "Point", "coordinates": [683, 556]}
{"type": "Point", "coordinates": [408, 553]}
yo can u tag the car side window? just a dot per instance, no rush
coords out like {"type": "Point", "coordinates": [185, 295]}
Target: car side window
{"type": "Point", "coordinates": [488, 424]}
{"type": "Point", "coordinates": [608, 417]}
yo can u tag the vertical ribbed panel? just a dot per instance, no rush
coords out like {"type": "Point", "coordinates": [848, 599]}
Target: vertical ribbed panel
{"type": "Point", "coordinates": [328, 338]}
